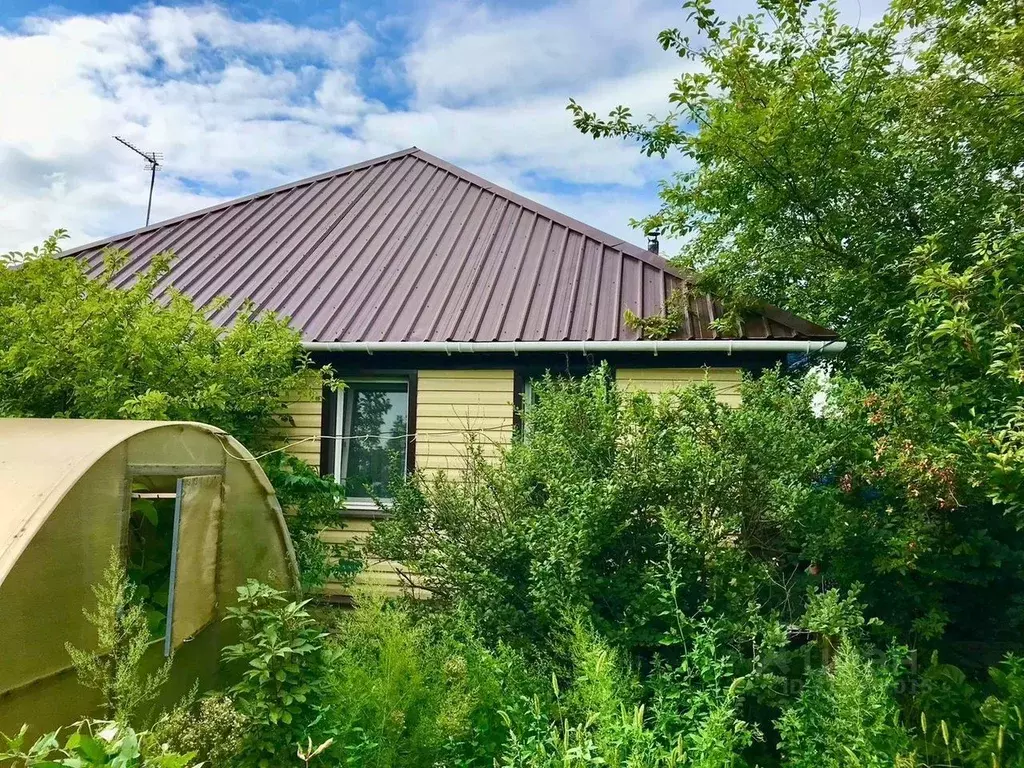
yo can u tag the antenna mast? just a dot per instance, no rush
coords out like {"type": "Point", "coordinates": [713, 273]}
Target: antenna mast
{"type": "Point", "coordinates": [152, 163]}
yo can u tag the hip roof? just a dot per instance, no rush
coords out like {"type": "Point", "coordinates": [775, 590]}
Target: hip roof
{"type": "Point", "coordinates": [409, 248]}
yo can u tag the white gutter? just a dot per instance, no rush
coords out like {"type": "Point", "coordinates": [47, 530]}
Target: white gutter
{"type": "Point", "coordinates": [584, 347]}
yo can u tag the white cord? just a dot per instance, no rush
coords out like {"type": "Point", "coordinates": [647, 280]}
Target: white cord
{"type": "Point", "coordinates": [505, 427]}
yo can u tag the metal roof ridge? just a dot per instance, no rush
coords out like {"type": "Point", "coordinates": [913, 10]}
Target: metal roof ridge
{"type": "Point", "coordinates": [599, 235]}
{"type": "Point", "coordinates": [777, 314]}
{"type": "Point", "coordinates": [244, 199]}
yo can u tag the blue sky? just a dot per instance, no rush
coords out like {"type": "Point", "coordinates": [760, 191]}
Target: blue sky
{"type": "Point", "coordinates": [244, 96]}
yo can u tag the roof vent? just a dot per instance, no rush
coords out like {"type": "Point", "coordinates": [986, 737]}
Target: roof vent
{"type": "Point", "coordinates": [652, 240]}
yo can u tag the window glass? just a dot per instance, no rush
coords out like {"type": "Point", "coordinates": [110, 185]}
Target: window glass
{"type": "Point", "coordinates": [376, 420]}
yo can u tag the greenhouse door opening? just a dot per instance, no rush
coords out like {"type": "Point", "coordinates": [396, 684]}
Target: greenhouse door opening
{"type": "Point", "coordinates": [169, 516]}
{"type": "Point", "coordinates": [150, 549]}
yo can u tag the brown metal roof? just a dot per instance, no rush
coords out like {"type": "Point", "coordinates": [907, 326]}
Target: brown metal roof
{"type": "Point", "coordinates": [408, 247]}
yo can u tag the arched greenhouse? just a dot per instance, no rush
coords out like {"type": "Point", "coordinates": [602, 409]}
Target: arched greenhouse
{"type": "Point", "coordinates": [186, 508]}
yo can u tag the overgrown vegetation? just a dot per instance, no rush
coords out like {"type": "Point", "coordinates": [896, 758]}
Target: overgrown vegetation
{"type": "Point", "coordinates": [76, 345]}
{"type": "Point", "coordinates": [613, 500]}
{"type": "Point", "coordinates": [283, 667]}
{"type": "Point", "coordinates": [828, 575]}
{"type": "Point", "coordinates": [756, 577]}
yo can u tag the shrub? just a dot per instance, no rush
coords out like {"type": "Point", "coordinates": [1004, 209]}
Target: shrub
{"type": "Point", "coordinates": [702, 545]}
{"type": "Point", "coordinates": [210, 727]}
{"type": "Point", "coordinates": [311, 502]}
{"type": "Point", "coordinates": [754, 505]}
{"type": "Point", "coordinates": [283, 661]}
{"type": "Point", "coordinates": [90, 744]}
{"type": "Point", "coordinates": [1001, 740]}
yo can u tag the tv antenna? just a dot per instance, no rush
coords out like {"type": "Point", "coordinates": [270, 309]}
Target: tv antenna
{"type": "Point", "coordinates": [152, 163]}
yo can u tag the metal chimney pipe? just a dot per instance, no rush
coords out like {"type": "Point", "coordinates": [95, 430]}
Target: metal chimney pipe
{"type": "Point", "coordinates": [652, 240]}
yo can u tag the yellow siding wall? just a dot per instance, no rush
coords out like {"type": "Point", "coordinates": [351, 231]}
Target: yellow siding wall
{"type": "Point", "coordinates": [450, 404]}
{"type": "Point", "coordinates": [379, 575]}
{"type": "Point", "coordinates": [658, 380]}
{"type": "Point", "coordinates": [300, 420]}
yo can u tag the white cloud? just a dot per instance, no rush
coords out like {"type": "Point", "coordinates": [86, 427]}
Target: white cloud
{"type": "Point", "coordinates": [533, 135]}
{"type": "Point", "coordinates": [216, 95]}
{"type": "Point", "coordinates": [468, 51]}
{"type": "Point", "coordinates": [237, 106]}
{"type": "Point", "coordinates": [178, 33]}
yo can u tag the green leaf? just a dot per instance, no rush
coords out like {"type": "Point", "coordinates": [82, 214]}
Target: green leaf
{"type": "Point", "coordinates": [88, 747]}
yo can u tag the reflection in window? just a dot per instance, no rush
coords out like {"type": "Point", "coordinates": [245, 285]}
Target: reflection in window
{"type": "Point", "coordinates": [375, 420]}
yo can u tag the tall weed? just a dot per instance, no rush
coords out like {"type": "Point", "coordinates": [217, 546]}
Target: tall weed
{"type": "Point", "coordinates": [847, 715]}
{"type": "Point", "coordinates": [116, 666]}
{"type": "Point", "coordinates": [416, 693]}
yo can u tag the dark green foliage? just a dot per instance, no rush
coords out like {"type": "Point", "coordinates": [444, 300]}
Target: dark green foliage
{"type": "Point", "coordinates": [149, 549]}
{"type": "Point", "coordinates": [311, 503]}
{"type": "Point", "coordinates": [611, 499]}
{"type": "Point", "coordinates": [283, 661]}
{"type": "Point", "coordinates": [869, 179]}
{"type": "Point", "coordinates": [749, 565]}
{"type": "Point", "coordinates": [1002, 715]}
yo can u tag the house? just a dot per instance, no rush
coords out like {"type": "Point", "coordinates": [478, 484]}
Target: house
{"type": "Point", "coordinates": [437, 295]}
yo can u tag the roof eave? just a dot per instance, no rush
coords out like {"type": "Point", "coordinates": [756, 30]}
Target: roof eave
{"type": "Point", "coordinates": [728, 346]}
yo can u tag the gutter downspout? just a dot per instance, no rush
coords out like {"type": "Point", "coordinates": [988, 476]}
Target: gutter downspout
{"type": "Point", "coordinates": [583, 347]}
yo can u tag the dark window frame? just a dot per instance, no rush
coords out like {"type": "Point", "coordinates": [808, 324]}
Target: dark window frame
{"type": "Point", "coordinates": [330, 447]}
{"type": "Point", "coordinates": [522, 375]}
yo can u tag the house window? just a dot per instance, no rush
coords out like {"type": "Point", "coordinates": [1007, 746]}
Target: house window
{"type": "Point", "coordinates": [528, 397]}
{"type": "Point", "coordinates": [373, 431]}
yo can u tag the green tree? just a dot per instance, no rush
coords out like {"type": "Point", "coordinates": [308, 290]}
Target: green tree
{"type": "Point", "coordinates": [73, 346]}
{"type": "Point", "coordinates": [870, 179]}
{"type": "Point", "coordinates": [822, 154]}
